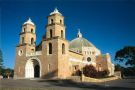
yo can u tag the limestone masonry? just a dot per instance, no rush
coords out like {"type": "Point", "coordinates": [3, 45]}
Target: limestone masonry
{"type": "Point", "coordinates": [55, 57]}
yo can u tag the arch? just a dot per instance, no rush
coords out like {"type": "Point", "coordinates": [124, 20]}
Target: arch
{"type": "Point", "coordinates": [63, 48]}
{"type": "Point", "coordinates": [60, 21]}
{"type": "Point", "coordinates": [50, 48]}
{"type": "Point", "coordinates": [32, 40]}
{"type": "Point", "coordinates": [51, 21]}
{"type": "Point", "coordinates": [88, 59]}
{"type": "Point", "coordinates": [50, 33]}
{"type": "Point", "coordinates": [93, 52]}
{"type": "Point", "coordinates": [33, 68]}
{"type": "Point", "coordinates": [32, 31]}
{"type": "Point", "coordinates": [24, 30]}
{"type": "Point", "coordinates": [20, 52]}
{"type": "Point", "coordinates": [62, 35]}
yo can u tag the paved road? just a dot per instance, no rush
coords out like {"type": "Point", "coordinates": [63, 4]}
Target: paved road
{"type": "Point", "coordinates": [124, 84]}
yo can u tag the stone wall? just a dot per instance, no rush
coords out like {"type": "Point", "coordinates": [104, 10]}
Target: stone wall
{"type": "Point", "coordinates": [88, 79]}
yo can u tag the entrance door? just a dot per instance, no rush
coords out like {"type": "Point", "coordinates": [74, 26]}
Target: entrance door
{"type": "Point", "coordinates": [36, 71]}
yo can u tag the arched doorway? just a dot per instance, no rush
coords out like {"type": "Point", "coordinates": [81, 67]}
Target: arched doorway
{"type": "Point", "coordinates": [32, 69]}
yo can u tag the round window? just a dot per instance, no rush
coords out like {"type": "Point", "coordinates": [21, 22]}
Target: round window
{"type": "Point", "coordinates": [88, 59]}
{"type": "Point", "coordinates": [20, 52]}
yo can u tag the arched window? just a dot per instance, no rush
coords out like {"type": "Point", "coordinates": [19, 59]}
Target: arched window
{"type": "Point", "coordinates": [51, 21]}
{"type": "Point", "coordinates": [24, 30]}
{"type": "Point", "coordinates": [90, 52]}
{"type": "Point", "coordinates": [60, 21]}
{"type": "Point", "coordinates": [88, 59]}
{"type": "Point", "coordinates": [32, 50]}
{"type": "Point", "coordinates": [63, 48]}
{"type": "Point", "coordinates": [32, 30]}
{"type": "Point", "coordinates": [62, 34]}
{"type": "Point", "coordinates": [22, 40]}
{"type": "Point", "coordinates": [50, 48]}
{"type": "Point", "coordinates": [32, 40]}
{"type": "Point", "coordinates": [50, 33]}
{"type": "Point", "coordinates": [20, 52]}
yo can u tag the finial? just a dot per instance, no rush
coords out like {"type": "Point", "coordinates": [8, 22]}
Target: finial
{"type": "Point", "coordinates": [29, 19]}
{"type": "Point", "coordinates": [79, 30]}
{"type": "Point", "coordinates": [79, 34]}
{"type": "Point", "coordinates": [56, 9]}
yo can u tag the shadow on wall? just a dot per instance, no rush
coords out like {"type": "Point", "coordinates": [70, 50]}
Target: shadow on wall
{"type": "Point", "coordinates": [50, 75]}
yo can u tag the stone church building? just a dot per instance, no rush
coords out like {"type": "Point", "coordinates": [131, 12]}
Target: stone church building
{"type": "Point", "coordinates": [55, 57]}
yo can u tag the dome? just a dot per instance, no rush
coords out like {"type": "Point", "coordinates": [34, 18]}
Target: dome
{"type": "Point", "coordinates": [29, 21]}
{"type": "Point", "coordinates": [79, 42]}
{"type": "Point", "coordinates": [56, 11]}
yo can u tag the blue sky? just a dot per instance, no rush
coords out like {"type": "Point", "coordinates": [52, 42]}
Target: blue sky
{"type": "Point", "coordinates": [108, 24]}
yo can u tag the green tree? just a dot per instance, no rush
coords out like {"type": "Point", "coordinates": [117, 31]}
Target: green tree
{"type": "Point", "coordinates": [118, 67]}
{"type": "Point", "coordinates": [127, 55]}
{"type": "Point", "coordinates": [7, 72]}
{"type": "Point", "coordinates": [1, 62]}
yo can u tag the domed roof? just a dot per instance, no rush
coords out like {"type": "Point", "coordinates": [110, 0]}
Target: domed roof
{"type": "Point", "coordinates": [79, 42]}
{"type": "Point", "coordinates": [56, 11]}
{"type": "Point", "coordinates": [29, 21]}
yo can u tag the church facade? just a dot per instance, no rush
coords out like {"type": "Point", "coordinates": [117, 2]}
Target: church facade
{"type": "Point", "coordinates": [55, 57]}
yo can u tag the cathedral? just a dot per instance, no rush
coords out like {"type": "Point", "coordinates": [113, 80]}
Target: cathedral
{"type": "Point", "coordinates": [55, 57]}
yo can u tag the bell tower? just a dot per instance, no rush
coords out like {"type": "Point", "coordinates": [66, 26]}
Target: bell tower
{"type": "Point", "coordinates": [27, 35]}
{"type": "Point", "coordinates": [55, 26]}
{"type": "Point", "coordinates": [26, 46]}
{"type": "Point", "coordinates": [55, 47]}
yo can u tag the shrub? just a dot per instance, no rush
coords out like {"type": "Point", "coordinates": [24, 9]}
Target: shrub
{"type": "Point", "coordinates": [90, 71]}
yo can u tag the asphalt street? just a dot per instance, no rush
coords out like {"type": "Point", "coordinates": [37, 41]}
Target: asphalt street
{"type": "Point", "coordinates": [123, 84]}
